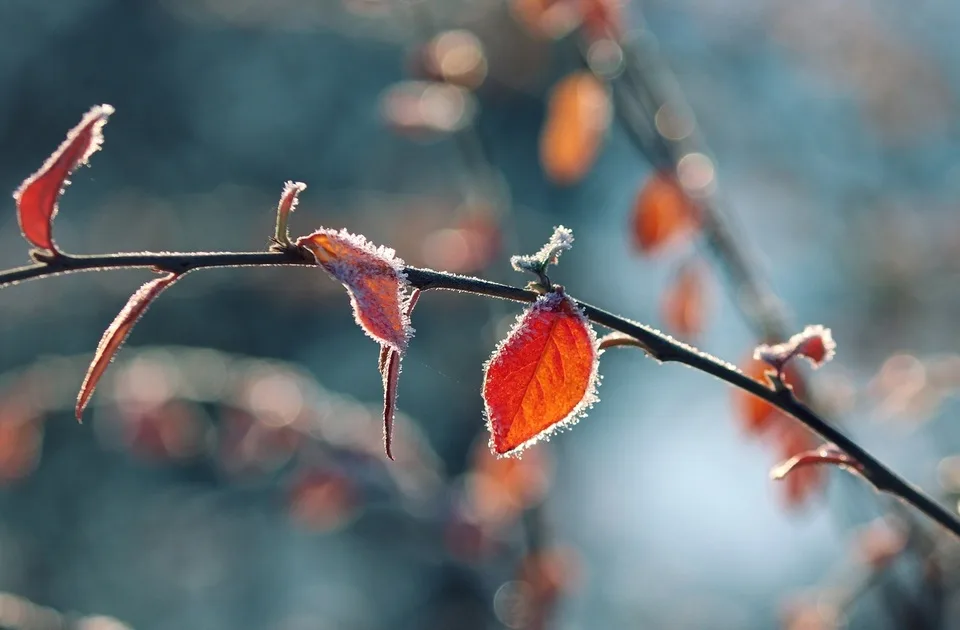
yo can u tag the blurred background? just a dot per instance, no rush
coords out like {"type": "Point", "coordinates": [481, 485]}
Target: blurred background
{"type": "Point", "coordinates": [229, 472]}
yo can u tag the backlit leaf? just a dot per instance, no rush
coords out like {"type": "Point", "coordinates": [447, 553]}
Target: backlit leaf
{"type": "Point", "coordinates": [117, 333]}
{"type": "Point", "coordinates": [756, 414]}
{"type": "Point", "coordinates": [814, 343]}
{"type": "Point", "coordinates": [542, 376]}
{"type": "Point", "coordinates": [374, 278]}
{"type": "Point", "coordinates": [578, 114]}
{"type": "Point", "coordinates": [684, 302]}
{"type": "Point", "coordinates": [795, 446]}
{"type": "Point", "coordinates": [662, 214]}
{"type": "Point", "coordinates": [389, 366]}
{"type": "Point", "coordinates": [37, 196]}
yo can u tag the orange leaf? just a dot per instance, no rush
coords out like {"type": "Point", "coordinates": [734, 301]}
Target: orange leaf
{"type": "Point", "coordinates": [684, 301]}
{"type": "Point", "coordinates": [542, 376]}
{"type": "Point", "coordinates": [374, 278]}
{"type": "Point", "coordinates": [757, 414]}
{"type": "Point", "coordinates": [662, 214]}
{"type": "Point", "coordinates": [37, 196]}
{"type": "Point", "coordinates": [117, 333]}
{"type": "Point", "coordinates": [500, 489]}
{"type": "Point", "coordinates": [578, 114]}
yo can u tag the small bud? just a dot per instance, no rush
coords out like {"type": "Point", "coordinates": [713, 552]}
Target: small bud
{"type": "Point", "coordinates": [815, 344]}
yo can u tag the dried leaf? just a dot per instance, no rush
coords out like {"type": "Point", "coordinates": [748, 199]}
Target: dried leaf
{"type": "Point", "coordinates": [389, 366]}
{"type": "Point", "coordinates": [662, 214]}
{"type": "Point", "coordinates": [578, 115]}
{"type": "Point", "coordinates": [542, 376]}
{"type": "Point", "coordinates": [684, 302]}
{"type": "Point", "coordinates": [374, 279]}
{"type": "Point", "coordinates": [38, 195]}
{"type": "Point", "coordinates": [117, 333]}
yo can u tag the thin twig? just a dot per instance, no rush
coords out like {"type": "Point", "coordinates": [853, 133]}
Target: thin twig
{"type": "Point", "coordinates": [663, 347]}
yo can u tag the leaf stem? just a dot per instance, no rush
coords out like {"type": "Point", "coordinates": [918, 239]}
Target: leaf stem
{"type": "Point", "coordinates": [663, 347]}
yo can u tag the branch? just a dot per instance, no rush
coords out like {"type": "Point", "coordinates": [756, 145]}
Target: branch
{"type": "Point", "coordinates": [662, 347]}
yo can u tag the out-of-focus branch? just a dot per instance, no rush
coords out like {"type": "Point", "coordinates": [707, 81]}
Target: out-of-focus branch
{"type": "Point", "coordinates": [660, 346]}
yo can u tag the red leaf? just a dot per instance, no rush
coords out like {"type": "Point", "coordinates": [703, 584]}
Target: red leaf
{"type": "Point", "coordinates": [37, 196]}
{"type": "Point", "coordinates": [542, 376]}
{"type": "Point", "coordinates": [374, 279]}
{"type": "Point", "coordinates": [288, 203]}
{"type": "Point", "coordinates": [801, 469]}
{"type": "Point", "coordinates": [662, 214]}
{"type": "Point", "coordinates": [793, 440]}
{"type": "Point", "coordinates": [684, 301]}
{"type": "Point", "coordinates": [578, 114]}
{"type": "Point", "coordinates": [117, 333]}
{"type": "Point", "coordinates": [756, 414]}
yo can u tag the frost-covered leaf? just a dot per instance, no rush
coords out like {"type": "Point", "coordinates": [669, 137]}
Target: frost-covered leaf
{"type": "Point", "coordinates": [288, 203]}
{"type": "Point", "coordinates": [542, 376]}
{"type": "Point", "coordinates": [662, 214]}
{"type": "Point", "coordinates": [578, 115]}
{"type": "Point", "coordinates": [117, 333]}
{"type": "Point", "coordinates": [549, 254]}
{"type": "Point", "coordinates": [374, 278]}
{"type": "Point", "coordinates": [37, 196]}
{"type": "Point", "coordinates": [389, 366]}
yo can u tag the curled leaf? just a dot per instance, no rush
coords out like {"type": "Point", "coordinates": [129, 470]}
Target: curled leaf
{"type": "Point", "coordinates": [795, 445]}
{"type": "Point", "coordinates": [288, 203]}
{"type": "Point", "coordinates": [828, 454]}
{"type": "Point", "coordinates": [662, 214]}
{"type": "Point", "coordinates": [37, 196]}
{"type": "Point", "coordinates": [549, 254]}
{"type": "Point", "coordinates": [542, 376]}
{"type": "Point", "coordinates": [374, 278]}
{"type": "Point", "coordinates": [389, 366]}
{"type": "Point", "coordinates": [684, 302]}
{"type": "Point", "coordinates": [814, 343]}
{"type": "Point", "coordinates": [117, 333]}
{"type": "Point", "coordinates": [578, 115]}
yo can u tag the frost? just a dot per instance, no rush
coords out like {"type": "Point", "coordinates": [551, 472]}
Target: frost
{"type": "Point", "coordinates": [549, 254]}
{"type": "Point", "coordinates": [374, 278]}
{"type": "Point", "coordinates": [814, 343]}
{"type": "Point", "coordinates": [38, 196]}
{"type": "Point", "coordinates": [539, 324]}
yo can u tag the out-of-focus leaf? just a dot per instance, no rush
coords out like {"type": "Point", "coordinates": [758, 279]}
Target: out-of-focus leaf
{"type": "Point", "coordinates": [684, 301]}
{"type": "Point", "coordinates": [578, 115]}
{"type": "Point", "coordinates": [662, 214]}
